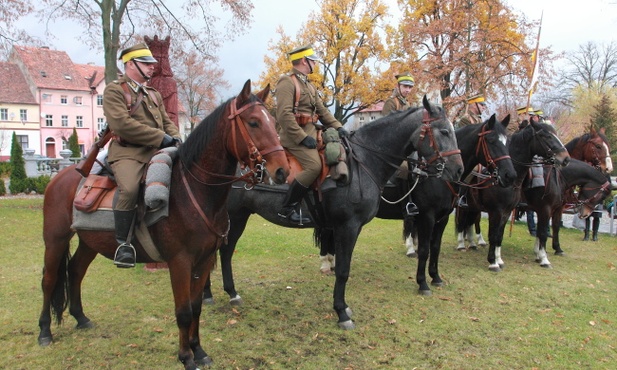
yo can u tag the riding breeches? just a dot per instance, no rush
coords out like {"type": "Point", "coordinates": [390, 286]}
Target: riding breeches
{"type": "Point", "coordinates": [311, 164]}
{"type": "Point", "coordinates": [128, 174]}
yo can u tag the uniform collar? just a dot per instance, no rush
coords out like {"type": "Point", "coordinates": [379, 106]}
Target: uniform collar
{"type": "Point", "coordinates": [300, 75]}
{"type": "Point", "coordinates": [136, 86]}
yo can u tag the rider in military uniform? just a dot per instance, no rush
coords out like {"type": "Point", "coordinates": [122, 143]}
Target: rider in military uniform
{"type": "Point", "coordinates": [476, 105]}
{"type": "Point", "coordinates": [137, 134]}
{"type": "Point", "coordinates": [298, 109]}
{"type": "Point", "coordinates": [400, 94]}
{"type": "Point", "coordinates": [398, 102]}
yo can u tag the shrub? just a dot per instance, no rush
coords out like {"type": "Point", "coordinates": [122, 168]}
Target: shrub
{"type": "Point", "coordinates": [38, 184]}
{"type": "Point", "coordinates": [18, 168]}
{"type": "Point", "coordinates": [5, 169]}
{"type": "Point", "coordinates": [2, 187]}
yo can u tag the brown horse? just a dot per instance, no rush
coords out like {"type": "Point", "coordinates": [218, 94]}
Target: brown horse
{"type": "Point", "coordinates": [240, 130]}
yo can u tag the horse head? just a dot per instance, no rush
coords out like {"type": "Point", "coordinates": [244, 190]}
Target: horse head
{"type": "Point", "coordinates": [492, 151]}
{"type": "Point", "coordinates": [436, 141]}
{"type": "Point", "coordinates": [596, 152]}
{"type": "Point", "coordinates": [545, 142]}
{"type": "Point", "coordinates": [593, 193]}
{"type": "Point", "coordinates": [254, 140]}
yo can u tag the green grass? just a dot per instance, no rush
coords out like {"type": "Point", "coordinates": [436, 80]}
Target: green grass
{"type": "Point", "coordinates": [525, 317]}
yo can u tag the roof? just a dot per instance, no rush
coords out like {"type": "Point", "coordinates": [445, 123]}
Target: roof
{"type": "Point", "coordinates": [49, 69]}
{"type": "Point", "coordinates": [94, 75]}
{"type": "Point", "coordinates": [13, 86]}
{"type": "Point", "coordinates": [377, 107]}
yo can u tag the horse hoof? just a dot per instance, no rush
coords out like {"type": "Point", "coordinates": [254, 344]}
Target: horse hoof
{"type": "Point", "coordinates": [473, 247]}
{"type": "Point", "coordinates": [461, 249]}
{"type": "Point", "coordinates": [425, 293]}
{"type": "Point", "coordinates": [85, 325]}
{"type": "Point", "coordinates": [494, 268]}
{"type": "Point", "coordinates": [205, 361]}
{"type": "Point", "coordinates": [45, 341]}
{"type": "Point", "coordinates": [208, 301]}
{"type": "Point", "coordinates": [326, 271]}
{"type": "Point", "coordinates": [412, 255]}
{"type": "Point", "coordinates": [547, 266]}
{"type": "Point", "coordinates": [347, 325]}
{"type": "Point", "coordinates": [437, 283]}
{"type": "Point", "coordinates": [236, 301]}
{"type": "Point", "coordinates": [560, 253]}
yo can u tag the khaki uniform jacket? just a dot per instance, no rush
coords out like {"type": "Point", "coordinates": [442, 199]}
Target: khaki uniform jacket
{"type": "Point", "coordinates": [290, 132]}
{"type": "Point", "coordinates": [394, 103]}
{"type": "Point", "coordinates": [144, 130]}
{"type": "Point", "coordinates": [468, 119]}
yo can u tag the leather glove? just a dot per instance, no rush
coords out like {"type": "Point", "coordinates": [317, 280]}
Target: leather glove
{"type": "Point", "coordinates": [168, 141]}
{"type": "Point", "coordinates": [342, 133]}
{"type": "Point", "coordinates": [309, 142]}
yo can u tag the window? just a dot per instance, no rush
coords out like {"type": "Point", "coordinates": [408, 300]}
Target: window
{"type": "Point", "coordinates": [23, 141]}
{"type": "Point", "coordinates": [4, 114]}
{"type": "Point", "coordinates": [100, 123]}
{"type": "Point", "coordinates": [49, 120]}
{"type": "Point", "coordinates": [46, 98]}
{"type": "Point", "coordinates": [64, 100]}
{"type": "Point", "coordinates": [77, 100]}
{"type": "Point", "coordinates": [23, 115]}
{"type": "Point", "coordinates": [99, 100]}
{"type": "Point", "coordinates": [361, 118]}
{"type": "Point", "coordinates": [79, 121]}
{"type": "Point", "coordinates": [64, 121]}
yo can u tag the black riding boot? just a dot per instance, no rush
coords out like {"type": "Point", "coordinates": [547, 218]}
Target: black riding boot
{"type": "Point", "coordinates": [292, 202]}
{"type": "Point", "coordinates": [586, 236]}
{"type": "Point", "coordinates": [596, 227]}
{"type": "Point", "coordinates": [125, 254]}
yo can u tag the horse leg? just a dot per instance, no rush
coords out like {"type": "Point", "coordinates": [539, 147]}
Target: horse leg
{"type": "Point", "coordinates": [541, 236]}
{"type": "Point", "coordinates": [181, 285]}
{"type": "Point", "coordinates": [496, 227]}
{"type": "Point", "coordinates": [479, 237]}
{"type": "Point", "coordinates": [469, 235]}
{"type": "Point", "coordinates": [460, 241]}
{"type": "Point", "coordinates": [201, 274]}
{"type": "Point", "coordinates": [344, 239]}
{"type": "Point", "coordinates": [556, 224]}
{"type": "Point", "coordinates": [408, 231]}
{"type": "Point", "coordinates": [207, 297]}
{"type": "Point", "coordinates": [425, 229]}
{"type": "Point", "coordinates": [237, 226]}
{"type": "Point", "coordinates": [78, 265]}
{"type": "Point", "coordinates": [326, 253]}
{"type": "Point", "coordinates": [53, 285]}
{"type": "Point", "coordinates": [433, 266]}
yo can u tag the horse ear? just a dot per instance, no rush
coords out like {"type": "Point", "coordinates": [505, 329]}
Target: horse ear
{"type": "Point", "coordinates": [506, 121]}
{"type": "Point", "coordinates": [490, 124]}
{"type": "Point", "coordinates": [603, 130]}
{"type": "Point", "coordinates": [263, 94]}
{"type": "Point", "coordinates": [426, 103]}
{"type": "Point", "coordinates": [245, 94]}
{"type": "Point", "coordinates": [592, 130]}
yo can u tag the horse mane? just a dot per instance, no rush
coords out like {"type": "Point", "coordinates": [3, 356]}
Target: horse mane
{"type": "Point", "coordinates": [385, 120]}
{"type": "Point", "coordinates": [584, 139]}
{"type": "Point", "coordinates": [199, 139]}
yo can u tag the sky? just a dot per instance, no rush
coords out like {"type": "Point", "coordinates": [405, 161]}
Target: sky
{"type": "Point", "coordinates": [566, 25]}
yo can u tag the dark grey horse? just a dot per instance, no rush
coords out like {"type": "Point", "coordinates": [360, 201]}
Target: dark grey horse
{"type": "Point", "coordinates": [376, 150]}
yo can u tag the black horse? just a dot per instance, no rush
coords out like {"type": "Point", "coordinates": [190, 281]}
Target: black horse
{"type": "Point", "coordinates": [548, 201]}
{"type": "Point", "coordinates": [484, 144]}
{"type": "Point", "coordinates": [376, 150]}
{"type": "Point", "coordinates": [535, 139]}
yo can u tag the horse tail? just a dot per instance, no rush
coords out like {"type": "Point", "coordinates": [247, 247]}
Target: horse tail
{"type": "Point", "coordinates": [60, 296]}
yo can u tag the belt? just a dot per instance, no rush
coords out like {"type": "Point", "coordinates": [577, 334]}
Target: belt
{"type": "Point", "coordinates": [305, 119]}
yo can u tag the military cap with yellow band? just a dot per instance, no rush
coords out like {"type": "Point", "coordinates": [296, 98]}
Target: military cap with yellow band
{"type": "Point", "coordinates": [523, 110]}
{"type": "Point", "coordinates": [139, 52]}
{"type": "Point", "coordinates": [539, 112]}
{"type": "Point", "coordinates": [306, 51]}
{"type": "Point", "coordinates": [479, 98]}
{"type": "Point", "coordinates": [405, 79]}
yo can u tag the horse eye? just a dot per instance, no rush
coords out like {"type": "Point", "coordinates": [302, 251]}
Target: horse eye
{"type": "Point", "coordinates": [253, 124]}
{"type": "Point", "coordinates": [444, 132]}
{"type": "Point", "coordinates": [597, 146]}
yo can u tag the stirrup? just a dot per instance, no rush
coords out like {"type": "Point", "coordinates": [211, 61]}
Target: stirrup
{"type": "Point", "coordinates": [462, 202]}
{"type": "Point", "coordinates": [125, 256]}
{"type": "Point", "coordinates": [412, 209]}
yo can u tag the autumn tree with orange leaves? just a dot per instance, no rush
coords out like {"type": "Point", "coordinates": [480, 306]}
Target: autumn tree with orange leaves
{"type": "Point", "coordinates": [466, 47]}
{"type": "Point", "coordinates": [350, 35]}
{"type": "Point", "coordinates": [199, 86]}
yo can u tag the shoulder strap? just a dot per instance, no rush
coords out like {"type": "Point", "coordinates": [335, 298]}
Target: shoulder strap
{"type": "Point", "coordinates": [127, 97]}
{"type": "Point", "coordinates": [294, 78]}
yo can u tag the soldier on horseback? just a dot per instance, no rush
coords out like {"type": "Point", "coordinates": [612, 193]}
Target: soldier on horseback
{"type": "Point", "coordinates": [136, 115]}
{"type": "Point", "coordinates": [298, 110]}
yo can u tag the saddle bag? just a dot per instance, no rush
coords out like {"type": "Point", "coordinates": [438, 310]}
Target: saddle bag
{"type": "Point", "coordinates": [92, 192]}
{"type": "Point", "coordinates": [333, 146]}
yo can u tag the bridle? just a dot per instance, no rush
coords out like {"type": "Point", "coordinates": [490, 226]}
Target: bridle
{"type": "Point", "coordinates": [438, 159]}
{"type": "Point", "coordinates": [491, 164]}
{"type": "Point", "coordinates": [590, 202]}
{"type": "Point", "coordinates": [551, 154]}
{"type": "Point", "coordinates": [256, 163]}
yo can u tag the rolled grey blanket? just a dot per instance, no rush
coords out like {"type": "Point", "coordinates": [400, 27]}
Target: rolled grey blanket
{"type": "Point", "coordinates": [158, 178]}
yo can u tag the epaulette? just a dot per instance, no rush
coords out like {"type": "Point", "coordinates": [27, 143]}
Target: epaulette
{"type": "Point", "coordinates": [115, 81]}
